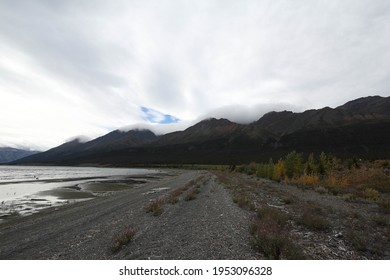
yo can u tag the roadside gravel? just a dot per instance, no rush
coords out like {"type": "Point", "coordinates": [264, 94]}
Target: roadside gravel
{"type": "Point", "coordinates": [208, 227]}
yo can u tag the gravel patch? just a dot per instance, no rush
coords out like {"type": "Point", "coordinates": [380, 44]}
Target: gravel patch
{"type": "Point", "coordinates": [207, 227]}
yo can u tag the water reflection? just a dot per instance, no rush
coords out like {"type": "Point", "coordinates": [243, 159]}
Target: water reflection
{"type": "Point", "coordinates": [27, 190]}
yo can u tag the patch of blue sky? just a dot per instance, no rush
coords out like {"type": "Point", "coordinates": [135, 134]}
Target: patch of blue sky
{"type": "Point", "coordinates": [154, 116]}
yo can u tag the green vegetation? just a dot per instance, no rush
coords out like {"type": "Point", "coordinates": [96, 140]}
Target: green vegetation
{"type": "Point", "coordinates": [282, 215]}
{"type": "Point", "coordinates": [352, 178]}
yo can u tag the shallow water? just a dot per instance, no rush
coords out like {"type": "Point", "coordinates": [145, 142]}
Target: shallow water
{"type": "Point", "coordinates": [25, 190]}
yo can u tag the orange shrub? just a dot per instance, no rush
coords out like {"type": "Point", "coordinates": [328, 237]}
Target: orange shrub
{"type": "Point", "coordinates": [308, 180]}
{"type": "Point", "coordinates": [371, 193]}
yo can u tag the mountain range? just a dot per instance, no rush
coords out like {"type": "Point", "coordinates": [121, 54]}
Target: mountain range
{"type": "Point", "coordinates": [359, 128]}
{"type": "Point", "coordinates": [8, 154]}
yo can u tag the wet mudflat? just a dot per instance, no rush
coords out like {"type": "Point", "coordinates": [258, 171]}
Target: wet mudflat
{"type": "Point", "coordinates": [25, 190]}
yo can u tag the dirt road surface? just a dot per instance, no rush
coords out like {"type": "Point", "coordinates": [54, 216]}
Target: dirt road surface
{"type": "Point", "coordinates": [208, 227]}
{"type": "Point", "coordinates": [200, 217]}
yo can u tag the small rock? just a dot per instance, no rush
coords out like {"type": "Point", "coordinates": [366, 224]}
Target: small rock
{"type": "Point", "coordinates": [341, 248]}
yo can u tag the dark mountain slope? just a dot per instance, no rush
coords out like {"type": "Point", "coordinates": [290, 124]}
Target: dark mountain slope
{"type": "Point", "coordinates": [367, 139]}
{"type": "Point", "coordinates": [75, 151]}
{"type": "Point", "coordinates": [120, 139]}
{"type": "Point", "coordinates": [8, 154]}
{"type": "Point", "coordinates": [205, 130]}
{"type": "Point", "coordinates": [358, 128]}
{"type": "Point", "coordinates": [374, 106]}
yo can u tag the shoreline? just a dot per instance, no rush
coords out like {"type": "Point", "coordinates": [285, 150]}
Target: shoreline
{"type": "Point", "coordinates": [55, 227]}
{"type": "Point", "coordinates": [28, 197]}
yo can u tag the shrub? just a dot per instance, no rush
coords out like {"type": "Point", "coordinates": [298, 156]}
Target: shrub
{"type": "Point", "coordinates": [279, 171]}
{"type": "Point", "coordinates": [294, 164]}
{"type": "Point", "coordinates": [371, 194]}
{"type": "Point", "coordinates": [311, 218]}
{"type": "Point", "coordinates": [308, 180]}
{"type": "Point", "coordinates": [337, 181]}
{"type": "Point", "coordinates": [173, 195]}
{"type": "Point", "coordinates": [192, 194]}
{"type": "Point", "coordinates": [172, 199]}
{"type": "Point", "coordinates": [288, 199]}
{"type": "Point", "coordinates": [243, 201]}
{"type": "Point", "coordinates": [357, 241]}
{"type": "Point", "coordinates": [321, 190]}
{"type": "Point", "coordinates": [273, 241]}
{"type": "Point", "coordinates": [381, 220]}
{"type": "Point", "coordinates": [278, 216]}
{"type": "Point", "coordinates": [335, 190]}
{"type": "Point", "coordinates": [122, 239]}
{"type": "Point", "coordinates": [384, 205]}
{"type": "Point", "coordinates": [266, 170]}
{"type": "Point", "coordinates": [251, 168]}
{"type": "Point", "coordinates": [155, 206]}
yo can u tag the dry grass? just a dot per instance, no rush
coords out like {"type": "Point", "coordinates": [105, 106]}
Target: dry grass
{"type": "Point", "coordinates": [123, 239]}
{"type": "Point", "coordinates": [339, 180]}
{"type": "Point", "coordinates": [265, 212]}
{"type": "Point", "coordinates": [312, 218]}
{"type": "Point", "coordinates": [173, 196]}
{"type": "Point", "coordinates": [288, 198]}
{"type": "Point", "coordinates": [243, 201]}
{"type": "Point", "coordinates": [384, 205]}
{"type": "Point", "coordinates": [307, 180]}
{"type": "Point", "coordinates": [192, 194]}
{"type": "Point", "coordinates": [381, 220]}
{"type": "Point", "coordinates": [370, 193]}
{"type": "Point", "coordinates": [272, 239]}
{"type": "Point", "coordinates": [358, 241]}
{"type": "Point", "coordinates": [271, 226]}
{"type": "Point", "coordinates": [155, 206]}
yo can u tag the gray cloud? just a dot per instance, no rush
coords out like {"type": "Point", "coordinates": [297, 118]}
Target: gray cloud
{"type": "Point", "coordinates": [87, 67]}
{"type": "Point", "coordinates": [245, 114]}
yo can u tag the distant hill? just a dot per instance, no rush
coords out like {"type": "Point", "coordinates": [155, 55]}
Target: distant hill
{"type": "Point", "coordinates": [95, 150]}
{"type": "Point", "coordinates": [8, 154]}
{"type": "Point", "coordinates": [359, 128]}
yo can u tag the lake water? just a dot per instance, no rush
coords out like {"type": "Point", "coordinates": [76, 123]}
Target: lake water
{"type": "Point", "coordinates": [25, 190]}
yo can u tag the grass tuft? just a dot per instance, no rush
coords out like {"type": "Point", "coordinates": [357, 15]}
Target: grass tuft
{"type": "Point", "coordinates": [173, 196]}
{"type": "Point", "coordinates": [155, 206]}
{"type": "Point", "coordinates": [243, 201]}
{"type": "Point", "coordinates": [384, 205]}
{"type": "Point", "coordinates": [123, 239]}
{"type": "Point", "coordinates": [273, 241]}
{"type": "Point", "coordinates": [192, 194]}
{"type": "Point", "coordinates": [277, 215]}
{"type": "Point", "coordinates": [312, 218]}
{"type": "Point", "coordinates": [357, 241]}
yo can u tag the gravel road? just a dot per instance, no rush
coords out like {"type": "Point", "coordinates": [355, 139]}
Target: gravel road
{"type": "Point", "coordinates": [210, 226]}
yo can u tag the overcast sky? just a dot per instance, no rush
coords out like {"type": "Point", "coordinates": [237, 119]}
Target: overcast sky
{"type": "Point", "coordinates": [70, 68]}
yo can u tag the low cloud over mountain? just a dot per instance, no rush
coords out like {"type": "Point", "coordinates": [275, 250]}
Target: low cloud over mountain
{"type": "Point", "coordinates": [358, 128]}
